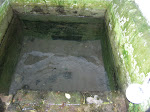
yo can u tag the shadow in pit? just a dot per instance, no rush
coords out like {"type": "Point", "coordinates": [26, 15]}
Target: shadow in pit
{"type": "Point", "coordinates": [9, 52]}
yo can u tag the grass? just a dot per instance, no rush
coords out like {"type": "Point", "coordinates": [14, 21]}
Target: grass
{"type": "Point", "coordinates": [4, 7]}
{"type": "Point", "coordinates": [67, 3]}
{"type": "Point", "coordinates": [134, 108]}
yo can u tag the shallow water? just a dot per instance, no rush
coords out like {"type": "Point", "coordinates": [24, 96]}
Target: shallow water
{"type": "Point", "coordinates": [60, 65]}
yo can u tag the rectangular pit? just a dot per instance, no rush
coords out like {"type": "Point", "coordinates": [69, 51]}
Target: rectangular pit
{"type": "Point", "coordinates": [60, 53]}
{"type": "Point", "coordinates": [79, 28]}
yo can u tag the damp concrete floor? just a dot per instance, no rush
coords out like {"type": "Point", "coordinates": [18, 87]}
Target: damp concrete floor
{"type": "Point", "coordinates": [60, 65]}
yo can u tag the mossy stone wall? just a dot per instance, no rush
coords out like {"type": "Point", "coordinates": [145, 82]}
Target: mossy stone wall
{"type": "Point", "coordinates": [129, 36]}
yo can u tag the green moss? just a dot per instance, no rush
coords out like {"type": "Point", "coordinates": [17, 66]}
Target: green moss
{"type": "Point", "coordinates": [4, 10]}
{"type": "Point", "coordinates": [134, 108]}
{"type": "Point", "coordinates": [128, 42]}
{"type": "Point", "coordinates": [67, 3]}
{"type": "Point", "coordinates": [129, 39]}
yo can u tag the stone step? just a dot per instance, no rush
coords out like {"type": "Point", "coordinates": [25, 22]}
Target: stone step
{"type": "Point", "coordinates": [50, 101]}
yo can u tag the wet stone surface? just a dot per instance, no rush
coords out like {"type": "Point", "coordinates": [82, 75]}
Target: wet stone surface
{"type": "Point", "coordinates": [60, 65]}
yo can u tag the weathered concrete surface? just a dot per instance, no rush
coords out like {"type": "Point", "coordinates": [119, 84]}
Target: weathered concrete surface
{"type": "Point", "coordinates": [60, 66]}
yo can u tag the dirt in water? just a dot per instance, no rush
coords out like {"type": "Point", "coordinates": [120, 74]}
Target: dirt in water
{"type": "Point", "coordinates": [60, 65]}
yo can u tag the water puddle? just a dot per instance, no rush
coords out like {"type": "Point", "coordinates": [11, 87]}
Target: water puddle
{"type": "Point", "coordinates": [60, 65]}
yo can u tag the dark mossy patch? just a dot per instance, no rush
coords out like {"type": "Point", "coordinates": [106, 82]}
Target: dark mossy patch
{"type": "Point", "coordinates": [37, 9]}
{"type": "Point", "coordinates": [63, 30]}
{"type": "Point", "coordinates": [68, 37]}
